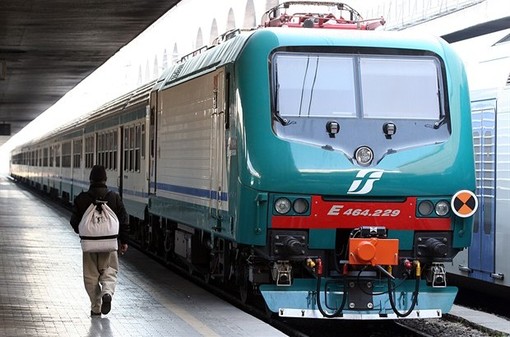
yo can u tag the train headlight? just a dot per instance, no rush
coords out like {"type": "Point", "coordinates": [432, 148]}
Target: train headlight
{"type": "Point", "coordinates": [425, 207]}
{"type": "Point", "coordinates": [282, 205]}
{"type": "Point", "coordinates": [364, 155]}
{"type": "Point", "coordinates": [442, 208]}
{"type": "Point", "coordinates": [300, 206]}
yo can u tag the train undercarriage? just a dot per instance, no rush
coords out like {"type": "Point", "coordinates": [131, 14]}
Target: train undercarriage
{"type": "Point", "coordinates": [363, 278]}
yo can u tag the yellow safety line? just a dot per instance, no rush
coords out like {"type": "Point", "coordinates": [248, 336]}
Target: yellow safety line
{"type": "Point", "coordinates": [200, 327]}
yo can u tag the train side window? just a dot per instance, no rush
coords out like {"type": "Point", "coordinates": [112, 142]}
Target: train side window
{"type": "Point", "coordinates": [138, 136]}
{"type": "Point", "coordinates": [103, 150]}
{"type": "Point", "coordinates": [109, 150]}
{"type": "Point", "coordinates": [131, 148]}
{"type": "Point", "coordinates": [115, 134]}
{"type": "Point", "coordinates": [77, 148]}
{"type": "Point", "coordinates": [104, 154]}
{"type": "Point", "coordinates": [106, 150]}
{"type": "Point", "coordinates": [126, 149]}
{"type": "Point", "coordinates": [66, 154]}
{"type": "Point", "coordinates": [105, 157]}
{"type": "Point", "coordinates": [99, 149]}
{"type": "Point", "coordinates": [45, 157]}
{"type": "Point", "coordinates": [57, 156]}
{"type": "Point", "coordinates": [52, 155]}
{"type": "Point", "coordinates": [89, 152]}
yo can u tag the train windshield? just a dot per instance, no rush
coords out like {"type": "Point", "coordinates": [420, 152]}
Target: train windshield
{"type": "Point", "coordinates": [353, 86]}
{"type": "Point", "coordinates": [342, 101]}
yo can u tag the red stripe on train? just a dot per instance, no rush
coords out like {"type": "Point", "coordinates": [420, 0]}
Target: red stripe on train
{"type": "Point", "coordinates": [352, 214]}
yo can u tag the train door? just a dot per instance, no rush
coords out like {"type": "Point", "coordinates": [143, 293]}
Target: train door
{"type": "Point", "coordinates": [481, 252]}
{"type": "Point", "coordinates": [217, 155]}
{"type": "Point", "coordinates": [134, 183]}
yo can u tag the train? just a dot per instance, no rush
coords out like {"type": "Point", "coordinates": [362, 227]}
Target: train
{"type": "Point", "coordinates": [316, 163]}
{"type": "Point", "coordinates": [484, 265]}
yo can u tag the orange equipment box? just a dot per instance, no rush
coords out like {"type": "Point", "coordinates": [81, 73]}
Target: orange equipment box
{"type": "Point", "coordinates": [373, 251]}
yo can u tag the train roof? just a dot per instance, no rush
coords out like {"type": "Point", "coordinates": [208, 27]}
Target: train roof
{"type": "Point", "coordinates": [205, 59]}
{"type": "Point", "coordinates": [209, 58]}
{"type": "Point", "coordinates": [119, 104]}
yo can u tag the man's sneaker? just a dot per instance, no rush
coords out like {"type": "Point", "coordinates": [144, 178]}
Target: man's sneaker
{"type": "Point", "coordinates": [93, 314]}
{"type": "Point", "coordinates": [107, 304]}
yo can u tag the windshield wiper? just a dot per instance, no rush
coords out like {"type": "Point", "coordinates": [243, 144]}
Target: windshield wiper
{"type": "Point", "coordinates": [281, 120]}
{"type": "Point", "coordinates": [440, 122]}
{"type": "Point", "coordinates": [276, 112]}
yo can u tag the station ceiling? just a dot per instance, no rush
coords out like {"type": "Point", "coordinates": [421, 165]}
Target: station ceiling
{"type": "Point", "coordinates": [48, 47]}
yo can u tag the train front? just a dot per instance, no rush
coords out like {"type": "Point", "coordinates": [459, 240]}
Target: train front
{"type": "Point", "coordinates": [356, 172]}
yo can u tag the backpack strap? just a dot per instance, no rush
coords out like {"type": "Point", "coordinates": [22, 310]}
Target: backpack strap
{"type": "Point", "coordinates": [98, 200]}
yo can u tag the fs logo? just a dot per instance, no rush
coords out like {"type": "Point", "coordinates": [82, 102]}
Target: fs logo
{"type": "Point", "coordinates": [364, 181]}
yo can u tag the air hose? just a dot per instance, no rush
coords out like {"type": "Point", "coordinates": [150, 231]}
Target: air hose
{"type": "Point", "coordinates": [414, 296]}
{"type": "Point", "coordinates": [338, 311]}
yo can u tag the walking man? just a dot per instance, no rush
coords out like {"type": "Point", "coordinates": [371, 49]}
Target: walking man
{"type": "Point", "coordinates": [100, 269]}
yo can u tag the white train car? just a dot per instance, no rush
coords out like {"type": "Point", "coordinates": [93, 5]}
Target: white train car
{"type": "Point", "coordinates": [485, 264]}
{"type": "Point", "coordinates": [115, 136]}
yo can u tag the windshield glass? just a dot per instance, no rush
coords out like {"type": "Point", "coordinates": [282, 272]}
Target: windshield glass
{"type": "Point", "coordinates": [327, 85]}
{"type": "Point", "coordinates": [318, 86]}
{"type": "Point", "coordinates": [341, 101]}
{"type": "Point", "coordinates": [412, 83]}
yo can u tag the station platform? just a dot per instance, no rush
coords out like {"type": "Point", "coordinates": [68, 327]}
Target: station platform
{"type": "Point", "coordinates": [42, 291]}
{"type": "Point", "coordinates": [499, 325]}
